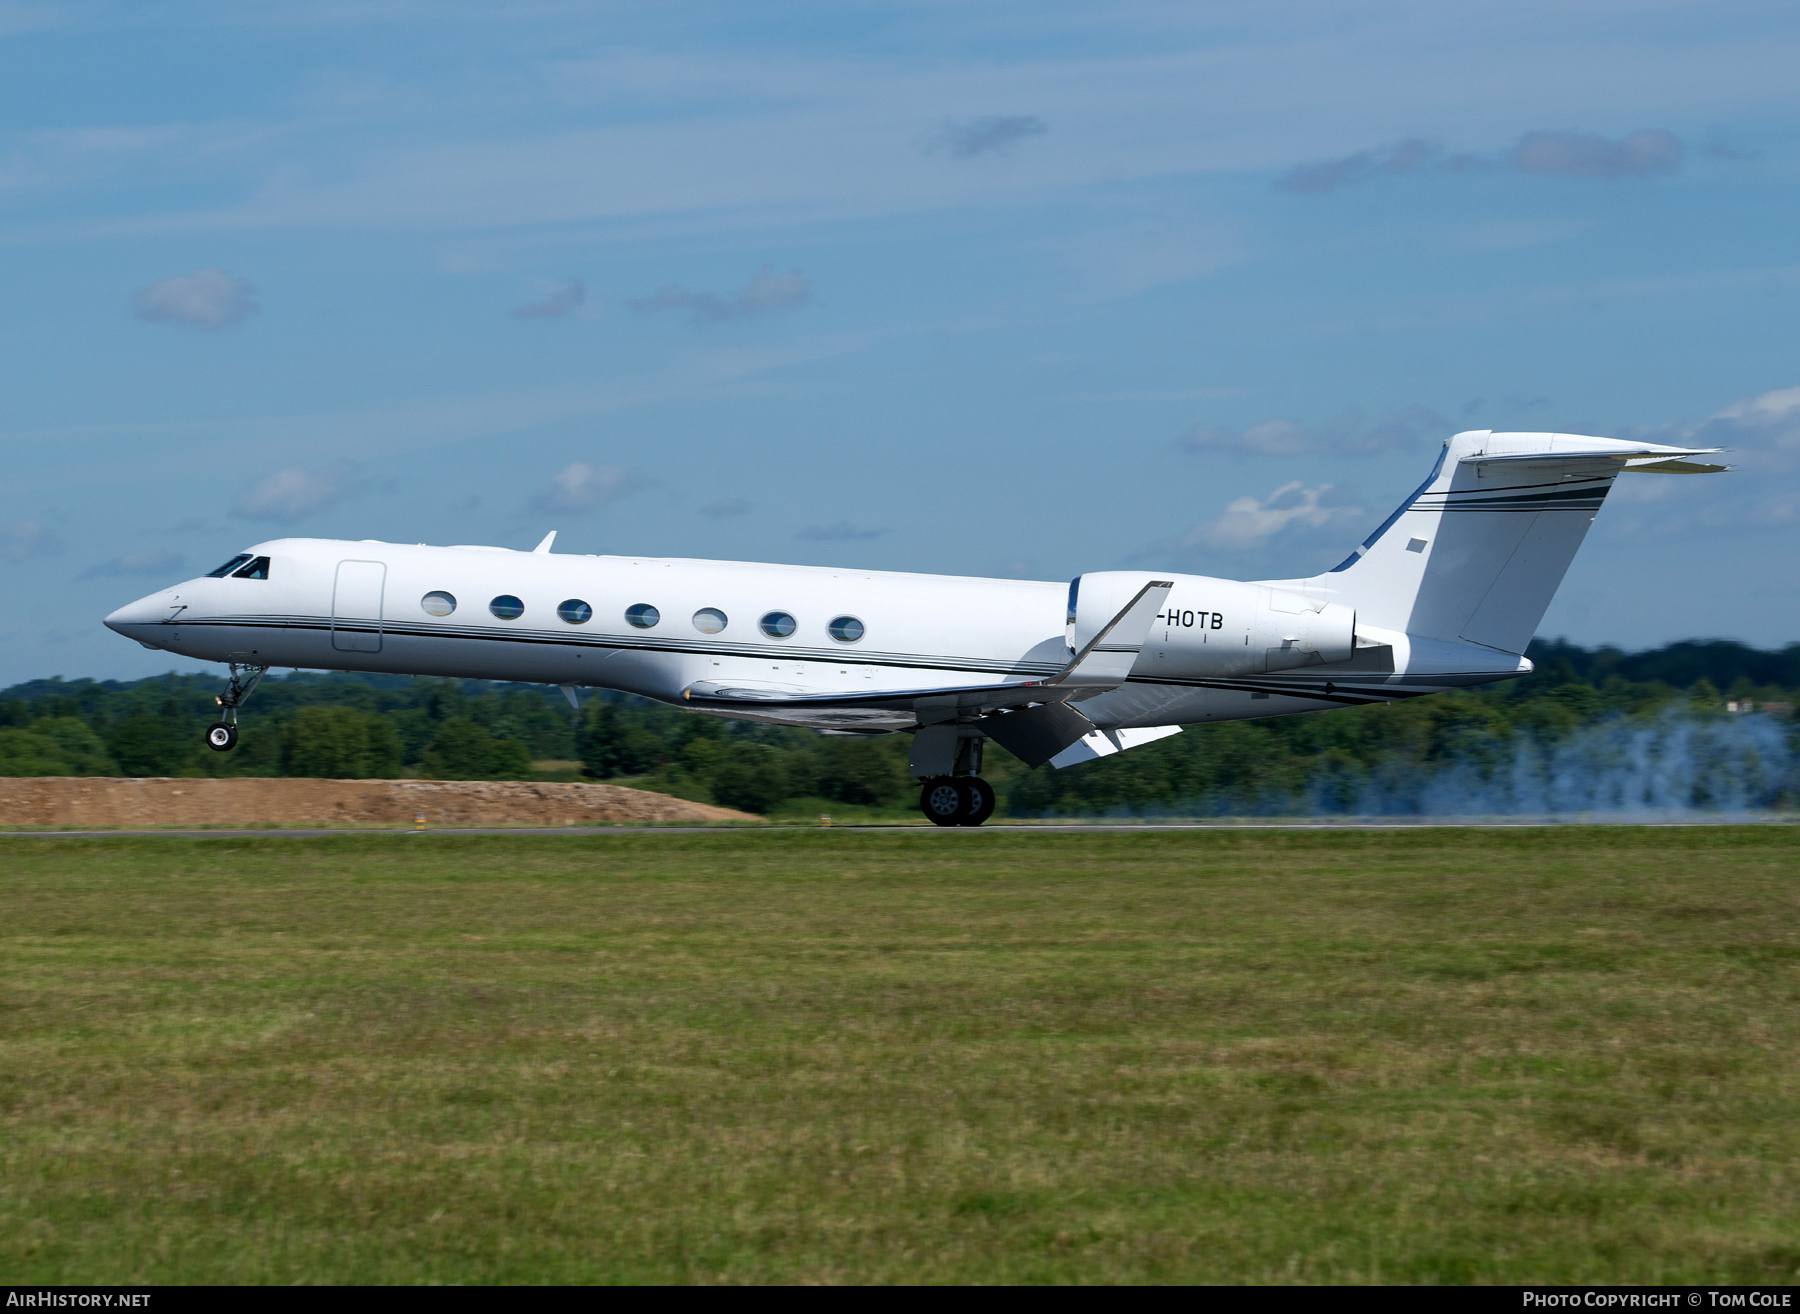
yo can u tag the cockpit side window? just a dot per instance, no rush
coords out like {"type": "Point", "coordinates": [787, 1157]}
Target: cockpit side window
{"type": "Point", "coordinates": [258, 569]}
{"type": "Point", "coordinates": [229, 566]}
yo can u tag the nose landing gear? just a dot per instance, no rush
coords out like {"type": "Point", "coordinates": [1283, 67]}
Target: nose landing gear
{"type": "Point", "coordinates": [957, 801]}
{"type": "Point", "coordinates": [222, 736]}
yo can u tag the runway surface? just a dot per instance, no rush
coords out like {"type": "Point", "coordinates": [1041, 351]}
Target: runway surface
{"type": "Point", "coordinates": [1034, 828]}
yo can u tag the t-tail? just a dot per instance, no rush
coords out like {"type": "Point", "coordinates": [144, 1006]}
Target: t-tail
{"type": "Point", "coordinates": [1476, 554]}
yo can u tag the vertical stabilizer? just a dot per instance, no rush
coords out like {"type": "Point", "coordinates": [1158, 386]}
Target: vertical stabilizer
{"type": "Point", "coordinates": [1477, 552]}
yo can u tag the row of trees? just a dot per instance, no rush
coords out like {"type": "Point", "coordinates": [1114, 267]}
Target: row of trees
{"type": "Point", "coordinates": [382, 726]}
{"type": "Point", "coordinates": [303, 725]}
{"type": "Point", "coordinates": [373, 727]}
{"type": "Point", "coordinates": [738, 764]}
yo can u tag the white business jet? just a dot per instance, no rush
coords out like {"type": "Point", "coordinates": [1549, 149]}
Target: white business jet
{"type": "Point", "coordinates": [1446, 594]}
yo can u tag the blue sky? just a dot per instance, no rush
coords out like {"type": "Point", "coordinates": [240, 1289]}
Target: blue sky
{"type": "Point", "coordinates": [1010, 289]}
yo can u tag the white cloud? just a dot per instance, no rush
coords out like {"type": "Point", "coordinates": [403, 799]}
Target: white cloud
{"type": "Point", "coordinates": [20, 539]}
{"type": "Point", "coordinates": [1346, 435]}
{"type": "Point", "coordinates": [1589, 155]}
{"type": "Point", "coordinates": [291, 494]}
{"type": "Point", "coordinates": [1762, 434]}
{"type": "Point", "coordinates": [1762, 438]}
{"type": "Point", "coordinates": [1718, 146]}
{"type": "Point", "coordinates": [1249, 523]}
{"type": "Point", "coordinates": [207, 299]}
{"type": "Point", "coordinates": [497, 133]}
{"type": "Point", "coordinates": [152, 561]}
{"type": "Point", "coordinates": [565, 301]}
{"type": "Point", "coordinates": [764, 292]}
{"type": "Point", "coordinates": [580, 488]}
{"type": "Point", "coordinates": [123, 454]}
{"type": "Point", "coordinates": [1410, 156]}
{"type": "Point", "coordinates": [1567, 154]}
{"type": "Point", "coordinates": [1765, 428]}
{"type": "Point", "coordinates": [1769, 420]}
{"type": "Point", "coordinates": [991, 134]}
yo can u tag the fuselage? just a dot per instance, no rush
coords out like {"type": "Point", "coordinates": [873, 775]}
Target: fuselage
{"type": "Point", "coordinates": [656, 626]}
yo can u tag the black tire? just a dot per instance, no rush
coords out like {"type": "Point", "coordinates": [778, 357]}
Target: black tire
{"type": "Point", "coordinates": [221, 738]}
{"type": "Point", "coordinates": [944, 802]}
{"type": "Point", "coordinates": [978, 798]}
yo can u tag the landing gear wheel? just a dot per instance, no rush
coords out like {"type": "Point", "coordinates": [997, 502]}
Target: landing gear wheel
{"type": "Point", "coordinates": [221, 738]}
{"type": "Point", "coordinates": [979, 798]}
{"type": "Point", "coordinates": [944, 802]}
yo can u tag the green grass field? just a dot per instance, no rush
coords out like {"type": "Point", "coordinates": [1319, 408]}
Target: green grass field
{"type": "Point", "coordinates": [1427, 1056]}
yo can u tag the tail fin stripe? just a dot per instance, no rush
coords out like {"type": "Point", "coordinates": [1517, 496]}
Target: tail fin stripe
{"type": "Point", "coordinates": [1476, 496]}
{"type": "Point", "coordinates": [1580, 482]}
{"type": "Point", "coordinates": [1585, 502]}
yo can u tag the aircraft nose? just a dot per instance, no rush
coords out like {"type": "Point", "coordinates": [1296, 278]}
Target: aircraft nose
{"type": "Point", "coordinates": [132, 613]}
{"type": "Point", "coordinates": [133, 619]}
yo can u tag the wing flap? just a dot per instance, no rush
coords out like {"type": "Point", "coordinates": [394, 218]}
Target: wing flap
{"type": "Point", "coordinates": [1104, 743]}
{"type": "Point", "coordinates": [1037, 734]}
{"type": "Point", "coordinates": [973, 697]}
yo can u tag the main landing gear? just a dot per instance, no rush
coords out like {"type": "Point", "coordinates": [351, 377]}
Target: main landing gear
{"type": "Point", "coordinates": [222, 736]}
{"type": "Point", "coordinates": [956, 800]}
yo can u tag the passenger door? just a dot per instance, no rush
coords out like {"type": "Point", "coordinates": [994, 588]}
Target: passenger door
{"type": "Point", "coordinates": [356, 606]}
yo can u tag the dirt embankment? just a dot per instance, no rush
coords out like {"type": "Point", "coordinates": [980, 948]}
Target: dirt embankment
{"type": "Point", "coordinates": [83, 801]}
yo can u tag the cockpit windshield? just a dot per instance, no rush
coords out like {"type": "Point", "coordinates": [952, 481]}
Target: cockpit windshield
{"type": "Point", "coordinates": [229, 566]}
{"type": "Point", "coordinates": [258, 569]}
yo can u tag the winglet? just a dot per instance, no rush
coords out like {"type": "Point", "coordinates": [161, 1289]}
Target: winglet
{"type": "Point", "coordinates": [544, 547]}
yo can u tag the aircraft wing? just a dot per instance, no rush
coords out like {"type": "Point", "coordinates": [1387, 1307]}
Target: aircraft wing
{"type": "Point", "coordinates": [1103, 664]}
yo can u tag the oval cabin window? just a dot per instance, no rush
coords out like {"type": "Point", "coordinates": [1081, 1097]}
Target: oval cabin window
{"type": "Point", "coordinates": [710, 620]}
{"type": "Point", "coordinates": [438, 603]}
{"type": "Point", "coordinates": [845, 629]}
{"type": "Point", "coordinates": [575, 611]}
{"type": "Point", "coordinates": [507, 607]}
{"type": "Point", "coordinates": [778, 625]}
{"type": "Point", "coordinates": [642, 615]}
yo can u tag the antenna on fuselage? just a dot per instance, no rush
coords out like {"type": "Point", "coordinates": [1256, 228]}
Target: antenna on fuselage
{"type": "Point", "coordinates": [544, 547]}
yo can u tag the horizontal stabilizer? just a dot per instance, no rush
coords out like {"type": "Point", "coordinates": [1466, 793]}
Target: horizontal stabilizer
{"type": "Point", "coordinates": [1645, 458]}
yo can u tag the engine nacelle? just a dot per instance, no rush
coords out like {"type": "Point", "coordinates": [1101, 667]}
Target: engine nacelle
{"type": "Point", "coordinates": [1216, 627]}
{"type": "Point", "coordinates": [1294, 630]}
